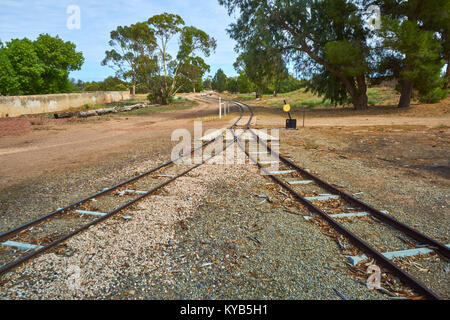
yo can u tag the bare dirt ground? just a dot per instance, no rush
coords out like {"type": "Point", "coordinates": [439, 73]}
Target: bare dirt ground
{"type": "Point", "coordinates": [398, 160]}
{"type": "Point", "coordinates": [30, 150]}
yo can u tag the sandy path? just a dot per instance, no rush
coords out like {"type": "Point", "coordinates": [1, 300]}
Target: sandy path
{"type": "Point", "coordinates": [54, 147]}
{"type": "Point", "coordinates": [356, 121]}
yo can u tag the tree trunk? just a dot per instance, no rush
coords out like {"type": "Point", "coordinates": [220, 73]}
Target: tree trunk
{"type": "Point", "coordinates": [406, 94]}
{"type": "Point", "coordinates": [134, 87]}
{"type": "Point", "coordinates": [360, 101]}
{"type": "Point", "coordinates": [359, 94]}
{"type": "Point", "coordinates": [275, 93]}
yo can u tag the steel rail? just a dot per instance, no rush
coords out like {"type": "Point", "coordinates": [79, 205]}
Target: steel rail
{"type": "Point", "coordinates": [10, 233]}
{"type": "Point", "coordinates": [354, 239]}
{"type": "Point", "coordinates": [422, 238]}
{"type": "Point", "coordinates": [5, 268]}
{"type": "Point", "coordinates": [415, 234]}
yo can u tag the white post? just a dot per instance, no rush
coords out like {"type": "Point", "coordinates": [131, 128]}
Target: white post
{"type": "Point", "coordinates": [220, 108]}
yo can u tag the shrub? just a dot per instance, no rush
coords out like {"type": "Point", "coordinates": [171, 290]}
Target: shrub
{"type": "Point", "coordinates": [434, 96]}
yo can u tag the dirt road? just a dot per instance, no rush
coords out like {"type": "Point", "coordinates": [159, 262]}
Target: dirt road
{"type": "Point", "coordinates": [29, 152]}
{"type": "Point", "coordinates": [391, 162]}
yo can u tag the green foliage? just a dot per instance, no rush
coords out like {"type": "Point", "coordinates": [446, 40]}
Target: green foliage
{"type": "Point", "coordinates": [327, 86]}
{"type": "Point", "coordinates": [76, 86]}
{"type": "Point", "coordinates": [263, 66]}
{"type": "Point", "coordinates": [109, 84]}
{"type": "Point", "coordinates": [140, 53]}
{"type": "Point", "coordinates": [26, 66]}
{"type": "Point", "coordinates": [232, 85]}
{"type": "Point", "coordinates": [207, 83]}
{"type": "Point", "coordinates": [131, 48]}
{"type": "Point", "coordinates": [346, 55]}
{"type": "Point", "coordinates": [290, 84]}
{"type": "Point", "coordinates": [418, 60]}
{"type": "Point", "coordinates": [57, 58]}
{"type": "Point", "coordinates": [37, 67]}
{"type": "Point", "coordinates": [314, 35]}
{"type": "Point", "coordinates": [434, 95]}
{"type": "Point", "coordinates": [219, 81]}
{"type": "Point", "coordinates": [244, 83]}
{"type": "Point", "coordinates": [186, 70]}
{"type": "Point", "coordinates": [9, 82]}
{"type": "Point", "coordinates": [415, 46]}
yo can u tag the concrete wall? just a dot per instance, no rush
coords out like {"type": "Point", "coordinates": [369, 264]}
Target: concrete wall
{"type": "Point", "coordinates": [18, 105]}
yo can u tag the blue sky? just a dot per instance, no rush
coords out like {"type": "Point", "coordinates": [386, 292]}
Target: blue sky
{"type": "Point", "coordinates": [29, 18]}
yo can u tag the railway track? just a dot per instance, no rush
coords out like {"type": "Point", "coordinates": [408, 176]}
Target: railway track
{"type": "Point", "coordinates": [33, 238]}
{"type": "Point", "coordinates": [298, 183]}
{"type": "Point", "coordinates": [307, 189]}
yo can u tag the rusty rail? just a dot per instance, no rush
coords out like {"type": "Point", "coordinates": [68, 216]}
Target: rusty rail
{"type": "Point", "coordinates": [354, 239]}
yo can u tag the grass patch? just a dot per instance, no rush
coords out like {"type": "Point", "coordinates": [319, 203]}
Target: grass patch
{"type": "Point", "coordinates": [441, 126]}
{"type": "Point", "coordinates": [246, 97]}
{"type": "Point", "coordinates": [178, 99]}
{"type": "Point", "coordinates": [153, 109]}
{"type": "Point", "coordinates": [373, 93]}
{"type": "Point", "coordinates": [306, 104]}
{"type": "Point", "coordinates": [300, 99]}
{"type": "Point", "coordinates": [375, 97]}
{"type": "Point", "coordinates": [311, 145]}
{"type": "Point", "coordinates": [36, 123]}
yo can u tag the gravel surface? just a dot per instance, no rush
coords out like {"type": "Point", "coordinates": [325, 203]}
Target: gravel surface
{"type": "Point", "coordinates": [211, 234]}
{"type": "Point", "coordinates": [416, 197]}
{"type": "Point", "coordinates": [32, 199]}
{"type": "Point", "coordinates": [208, 236]}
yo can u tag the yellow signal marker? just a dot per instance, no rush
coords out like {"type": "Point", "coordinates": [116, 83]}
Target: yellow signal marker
{"type": "Point", "coordinates": [287, 108]}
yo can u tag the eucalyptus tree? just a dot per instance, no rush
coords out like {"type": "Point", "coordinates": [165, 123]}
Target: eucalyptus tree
{"type": "Point", "coordinates": [207, 83]}
{"type": "Point", "coordinates": [253, 64]}
{"type": "Point", "coordinates": [173, 73]}
{"type": "Point", "coordinates": [264, 67]}
{"type": "Point", "coordinates": [415, 45]}
{"type": "Point", "coordinates": [219, 81]}
{"type": "Point", "coordinates": [131, 48]}
{"type": "Point", "coordinates": [325, 39]}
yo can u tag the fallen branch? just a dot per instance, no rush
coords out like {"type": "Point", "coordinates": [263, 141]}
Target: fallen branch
{"type": "Point", "coordinates": [99, 112]}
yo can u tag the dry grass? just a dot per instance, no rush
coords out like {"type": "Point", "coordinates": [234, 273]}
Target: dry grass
{"type": "Point", "coordinates": [382, 101]}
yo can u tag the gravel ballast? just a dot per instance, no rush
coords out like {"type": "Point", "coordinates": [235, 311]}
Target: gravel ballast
{"type": "Point", "coordinates": [207, 237]}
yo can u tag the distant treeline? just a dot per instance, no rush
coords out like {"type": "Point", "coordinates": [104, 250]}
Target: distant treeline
{"type": "Point", "coordinates": [343, 46]}
{"type": "Point", "coordinates": [242, 84]}
{"type": "Point", "coordinates": [340, 46]}
{"type": "Point", "coordinates": [109, 84]}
